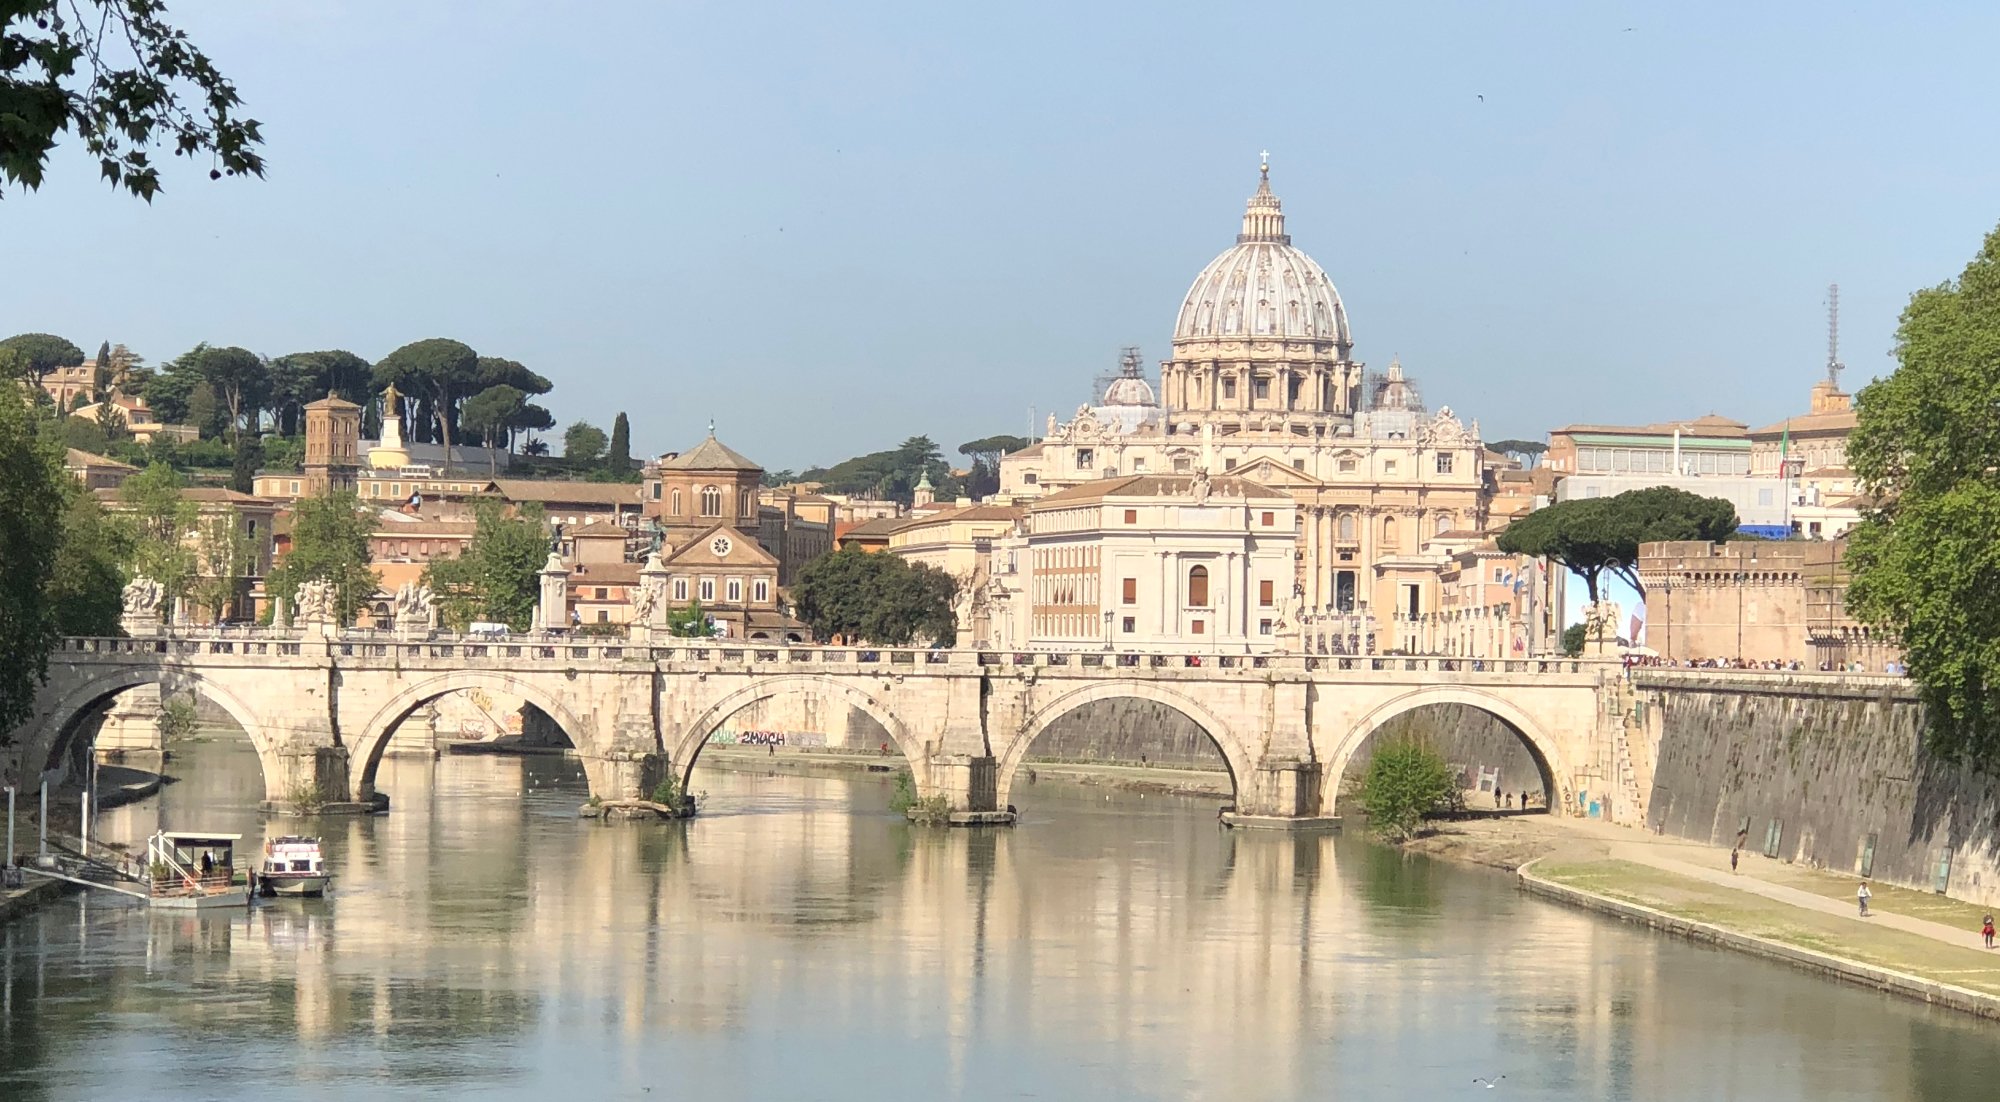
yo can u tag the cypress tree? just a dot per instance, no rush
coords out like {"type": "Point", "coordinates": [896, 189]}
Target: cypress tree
{"type": "Point", "coordinates": [620, 458]}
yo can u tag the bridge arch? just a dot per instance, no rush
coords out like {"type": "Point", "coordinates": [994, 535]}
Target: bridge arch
{"type": "Point", "coordinates": [1238, 758]}
{"type": "Point", "coordinates": [381, 726]}
{"type": "Point", "coordinates": [688, 744]}
{"type": "Point", "coordinates": [1541, 744]}
{"type": "Point", "coordinates": [62, 721]}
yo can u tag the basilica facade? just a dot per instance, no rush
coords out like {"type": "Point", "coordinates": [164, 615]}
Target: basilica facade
{"type": "Point", "coordinates": [1262, 388]}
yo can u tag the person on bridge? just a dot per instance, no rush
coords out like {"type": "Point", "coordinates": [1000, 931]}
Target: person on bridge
{"type": "Point", "coordinates": [1986, 931]}
{"type": "Point", "coordinates": [1862, 895]}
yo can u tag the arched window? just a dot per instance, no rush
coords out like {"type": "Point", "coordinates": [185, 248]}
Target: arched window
{"type": "Point", "coordinates": [749, 507]}
{"type": "Point", "coordinates": [711, 501]}
{"type": "Point", "coordinates": [1443, 523]}
{"type": "Point", "coordinates": [1197, 589]}
{"type": "Point", "coordinates": [676, 511]}
{"type": "Point", "coordinates": [1388, 531]}
{"type": "Point", "coordinates": [1347, 526]}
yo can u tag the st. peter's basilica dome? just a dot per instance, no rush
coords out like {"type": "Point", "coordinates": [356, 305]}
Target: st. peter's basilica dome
{"type": "Point", "coordinates": [1262, 287]}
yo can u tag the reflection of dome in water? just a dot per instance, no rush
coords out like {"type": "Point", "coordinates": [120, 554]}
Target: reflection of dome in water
{"type": "Point", "coordinates": [1263, 287]}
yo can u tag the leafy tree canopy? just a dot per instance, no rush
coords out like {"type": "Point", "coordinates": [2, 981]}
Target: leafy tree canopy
{"type": "Point", "coordinates": [494, 371]}
{"type": "Point", "coordinates": [32, 490]}
{"type": "Point", "coordinates": [122, 79]}
{"type": "Point", "coordinates": [1926, 560]}
{"type": "Point", "coordinates": [619, 457]}
{"type": "Point", "coordinates": [1405, 781]}
{"type": "Point", "coordinates": [690, 622]}
{"type": "Point", "coordinates": [1593, 535]}
{"type": "Point", "coordinates": [1528, 451]}
{"type": "Point", "coordinates": [991, 448]}
{"type": "Point", "coordinates": [881, 598]}
{"type": "Point", "coordinates": [32, 355]}
{"type": "Point", "coordinates": [496, 578]}
{"type": "Point", "coordinates": [489, 413]}
{"type": "Point", "coordinates": [330, 542]}
{"type": "Point", "coordinates": [891, 474]}
{"type": "Point", "coordinates": [583, 442]}
{"type": "Point", "coordinates": [441, 370]}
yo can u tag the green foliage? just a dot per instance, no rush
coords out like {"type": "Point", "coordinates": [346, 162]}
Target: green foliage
{"type": "Point", "coordinates": [301, 377]}
{"type": "Point", "coordinates": [619, 458]}
{"type": "Point", "coordinates": [859, 595]}
{"type": "Point", "coordinates": [689, 623]}
{"type": "Point", "coordinates": [891, 474]}
{"type": "Point", "coordinates": [903, 792]}
{"type": "Point", "coordinates": [1926, 560]}
{"type": "Point", "coordinates": [668, 791]}
{"type": "Point", "coordinates": [780, 478]}
{"type": "Point", "coordinates": [124, 81]}
{"type": "Point", "coordinates": [496, 579]}
{"type": "Point", "coordinates": [330, 541]}
{"type": "Point", "coordinates": [1529, 452]}
{"type": "Point", "coordinates": [32, 490]}
{"type": "Point", "coordinates": [240, 380]}
{"type": "Point", "coordinates": [1573, 639]}
{"type": "Point", "coordinates": [85, 591]}
{"type": "Point", "coordinates": [161, 523]}
{"type": "Point", "coordinates": [29, 356]}
{"type": "Point", "coordinates": [991, 448]}
{"type": "Point", "coordinates": [178, 719]}
{"type": "Point", "coordinates": [583, 442]}
{"type": "Point", "coordinates": [441, 371]}
{"type": "Point", "coordinates": [1591, 536]}
{"type": "Point", "coordinates": [489, 413]}
{"type": "Point", "coordinates": [247, 459]}
{"type": "Point", "coordinates": [1405, 781]}
{"type": "Point", "coordinates": [224, 557]}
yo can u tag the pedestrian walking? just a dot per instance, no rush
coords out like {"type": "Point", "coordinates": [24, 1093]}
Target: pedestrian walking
{"type": "Point", "coordinates": [1861, 895]}
{"type": "Point", "coordinates": [1734, 856]}
{"type": "Point", "coordinates": [1986, 931]}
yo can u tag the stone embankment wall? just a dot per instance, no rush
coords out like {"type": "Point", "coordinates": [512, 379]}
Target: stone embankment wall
{"type": "Point", "coordinates": [1837, 765]}
{"type": "Point", "coordinates": [1128, 732]}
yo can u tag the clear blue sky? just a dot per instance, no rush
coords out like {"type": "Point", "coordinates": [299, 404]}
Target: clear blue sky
{"type": "Point", "coordinates": [830, 226]}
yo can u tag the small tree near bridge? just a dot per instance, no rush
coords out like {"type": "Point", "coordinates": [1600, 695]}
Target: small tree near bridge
{"type": "Point", "coordinates": [1405, 781]}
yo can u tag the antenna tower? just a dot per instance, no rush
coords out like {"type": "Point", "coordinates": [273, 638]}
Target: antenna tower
{"type": "Point", "coordinates": [1833, 365]}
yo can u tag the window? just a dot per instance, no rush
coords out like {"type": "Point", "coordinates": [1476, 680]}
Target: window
{"type": "Point", "coordinates": [1343, 591]}
{"type": "Point", "coordinates": [603, 616]}
{"type": "Point", "coordinates": [1412, 599]}
{"type": "Point", "coordinates": [1130, 590]}
{"type": "Point", "coordinates": [1263, 627]}
{"type": "Point", "coordinates": [1131, 516]}
{"type": "Point", "coordinates": [1345, 526]}
{"type": "Point", "coordinates": [1260, 388]}
{"type": "Point", "coordinates": [1197, 587]}
{"type": "Point", "coordinates": [735, 591]}
{"type": "Point", "coordinates": [711, 501]}
{"type": "Point", "coordinates": [1270, 519]}
{"type": "Point", "coordinates": [656, 491]}
{"type": "Point", "coordinates": [708, 589]}
{"type": "Point", "coordinates": [1292, 391]}
{"type": "Point", "coordinates": [1444, 462]}
{"type": "Point", "coordinates": [1029, 479]}
{"type": "Point", "coordinates": [1182, 464]}
{"type": "Point", "coordinates": [675, 509]}
{"type": "Point", "coordinates": [680, 589]}
{"type": "Point", "coordinates": [1346, 465]}
{"type": "Point", "coordinates": [1388, 531]}
{"type": "Point", "coordinates": [295, 485]}
{"type": "Point", "coordinates": [1197, 628]}
{"type": "Point", "coordinates": [1229, 386]}
{"type": "Point", "coordinates": [760, 590]}
{"type": "Point", "coordinates": [1388, 466]}
{"type": "Point", "coordinates": [1086, 458]}
{"type": "Point", "coordinates": [1298, 464]}
{"type": "Point", "coordinates": [1138, 465]}
{"type": "Point", "coordinates": [1264, 593]}
{"type": "Point", "coordinates": [1229, 464]}
{"type": "Point", "coordinates": [404, 549]}
{"type": "Point", "coordinates": [1130, 623]}
{"type": "Point", "coordinates": [1443, 523]}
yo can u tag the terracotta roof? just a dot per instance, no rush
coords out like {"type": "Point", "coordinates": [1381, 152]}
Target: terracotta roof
{"type": "Point", "coordinates": [77, 457]}
{"type": "Point", "coordinates": [1159, 485]}
{"type": "Point", "coordinates": [592, 493]}
{"type": "Point", "coordinates": [880, 526]}
{"type": "Point", "coordinates": [332, 401]}
{"type": "Point", "coordinates": [969, 512]}
{"type": "Point", "coordinates": [601, 529]}
{"type": "Point", "coordinates": [1836, 421]}
{"type": "Point", "coordinates": [710, 455]}
{"type": "Point", "coordinates": [604, 573]}
{"type": "Point", "coordinates": [1032, 451]}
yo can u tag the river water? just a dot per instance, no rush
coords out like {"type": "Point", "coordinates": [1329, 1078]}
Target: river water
{"type": "Point", "coordinates": [799, 941]}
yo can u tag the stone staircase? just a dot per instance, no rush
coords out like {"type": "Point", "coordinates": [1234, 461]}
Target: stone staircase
{"type": "Point", "coordinates": [1631, 774]}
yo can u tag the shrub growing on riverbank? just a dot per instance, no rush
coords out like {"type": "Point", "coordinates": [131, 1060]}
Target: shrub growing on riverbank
{"type": "Point", "coordinates": [1405, 780]}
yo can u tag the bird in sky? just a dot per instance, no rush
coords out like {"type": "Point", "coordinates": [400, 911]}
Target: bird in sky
{"type": "Point", "coordinates": [1490, 1083]}
{"type": "Point", "coordinates": [1482, 98]}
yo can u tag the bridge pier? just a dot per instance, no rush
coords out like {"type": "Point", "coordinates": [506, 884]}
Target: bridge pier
{"type": "Point", "coordinates": [627, 774]}
{"type": "Point", "coordinates": [969, 781]}
{"type": "Point", "coordinates": [312, 780]}
{"type": "Point", "coordinates": [130, 733]}
{"type": "Point", "coordinates": [1281, 794]}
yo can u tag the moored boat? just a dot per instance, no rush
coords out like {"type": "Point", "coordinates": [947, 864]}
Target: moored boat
{"type": "Point", "coordinates": [293, 866]}
{"type": "Point", "coordinates": [194, 872]}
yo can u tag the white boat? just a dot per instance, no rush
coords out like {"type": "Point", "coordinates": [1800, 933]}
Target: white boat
{"type": "Point", "coordinates": [192, 871]}
{"type": "Point", "coordinates": [293, 866]}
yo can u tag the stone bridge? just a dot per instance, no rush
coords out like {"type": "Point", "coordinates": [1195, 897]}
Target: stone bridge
{"type": "Point", "coordinates": [320, 711]}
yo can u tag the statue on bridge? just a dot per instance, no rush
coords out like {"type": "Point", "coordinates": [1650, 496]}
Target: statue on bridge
{"type": "Point", "coordinates": [142, 606]}
{"type": "Point", "coordinates": [414, 607]}
{"type": "Point", "coordinates": [317, 604]}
